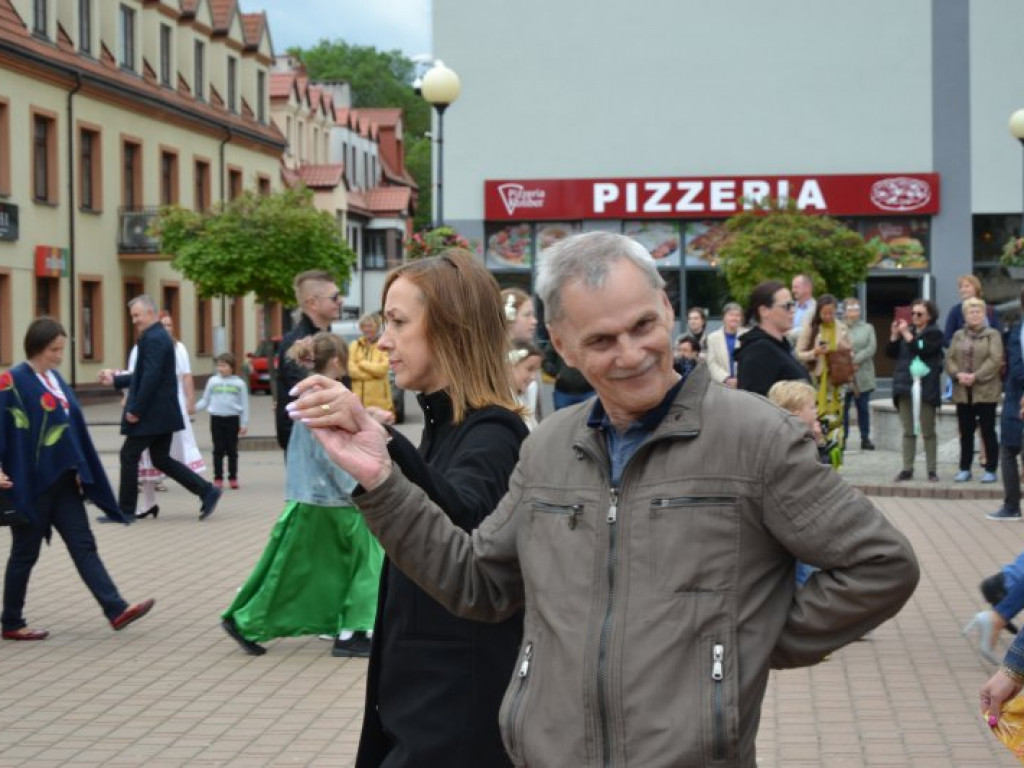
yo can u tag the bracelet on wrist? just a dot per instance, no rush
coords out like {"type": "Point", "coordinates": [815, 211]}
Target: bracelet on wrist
{"type": "Point", "coordinates": [1017, 677]}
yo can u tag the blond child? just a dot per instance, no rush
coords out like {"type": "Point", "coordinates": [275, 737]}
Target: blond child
{"type": "Point", "coordinates": [524, 361]}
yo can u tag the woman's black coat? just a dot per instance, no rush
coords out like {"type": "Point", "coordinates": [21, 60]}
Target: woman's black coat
{"type": "Point", "coordinates": [928, 346]}
{"type": "Point", "coordinates": [435, 681]}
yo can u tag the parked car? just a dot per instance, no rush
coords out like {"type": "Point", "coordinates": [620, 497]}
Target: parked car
{"type": "Point", "coordinates": [349, 331]}
{"type": "Point", "coordinates": [261, 365]}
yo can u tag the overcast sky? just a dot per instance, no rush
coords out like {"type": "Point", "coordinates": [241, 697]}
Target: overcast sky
{"type": "Point", "coordinates": [384, 24]}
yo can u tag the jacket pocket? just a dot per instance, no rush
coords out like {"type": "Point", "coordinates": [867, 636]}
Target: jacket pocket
{"type": "Point", "coordinates": [513, 706]}
{"type": "Point", "coordinates": [694, 542]}
{"type": "Point", "coordinates": [560, 555]}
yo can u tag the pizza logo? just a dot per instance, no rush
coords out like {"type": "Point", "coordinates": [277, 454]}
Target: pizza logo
{"type": "Point", "coordinates": [515, 196]}
{"type": "Point", "coordinates": [901, 193]}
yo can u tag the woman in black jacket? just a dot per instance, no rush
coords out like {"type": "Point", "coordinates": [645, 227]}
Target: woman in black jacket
{"type": "Point", "coordinates": [764, 356]}
{"type": "Point", "coordinates": [435, 681]}
{"type": "Point", "coordinates": [920, 339]}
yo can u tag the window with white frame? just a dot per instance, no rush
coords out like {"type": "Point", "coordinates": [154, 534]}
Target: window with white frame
{"type": "Point", "coordinates": [126, 35]}
{"type": "Point", "coordinates": [165, 54]}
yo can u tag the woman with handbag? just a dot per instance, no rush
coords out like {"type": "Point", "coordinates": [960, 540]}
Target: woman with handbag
{"type": "Point", "coordinates": [49, 467]}
{"type": "Point", "coordinates": [973, 363]}
{"type": "Point", "coordinates": [917, 349]}
{"type": "Point", "coordinates": [825, 348]}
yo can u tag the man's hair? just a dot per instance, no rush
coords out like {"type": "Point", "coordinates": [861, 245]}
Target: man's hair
{"type": "Point", "coordinates": [806, 278]}
{"type": "Point", "coordinates": [731, 306]}
{"type": "Point", "coordinates": [40, 334]}
{"type": "Point", "coordinates": [687, 339]}
{"type": "Point", "coordinates": [792, 395]}
{"type": "Point", "coordinates": [146, 301]}
{"type": "Point", "coordinates": [586, 259]}
{"type": "Point", "coordinates": [464, 327]}
{"type": "Point", "coordinates": [228, 359]}
{"type": "Point", "coordinates": [309, 276]}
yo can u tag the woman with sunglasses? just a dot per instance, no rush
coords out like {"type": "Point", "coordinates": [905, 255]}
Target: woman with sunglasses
{"type": "Point", "coordinates": [920, 339]}
{"type": "Point", "coordinates": [764, 355]}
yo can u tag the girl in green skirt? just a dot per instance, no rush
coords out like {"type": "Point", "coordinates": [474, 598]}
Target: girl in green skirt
{"type": "Point", "coordinates": [319, 572]}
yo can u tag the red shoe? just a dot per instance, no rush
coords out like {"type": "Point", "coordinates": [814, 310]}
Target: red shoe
{"type": "Point", "coordinates": [131, 613]}
{"type": "Point", "coordinates": [25, 634]}
{"type": "Point", "coordinates": [218, 483]}
{"type": "Point", "coordinates": [233, 484]}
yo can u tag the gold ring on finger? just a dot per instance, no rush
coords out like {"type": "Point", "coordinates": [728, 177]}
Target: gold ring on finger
{"type": "Point", "coordinates": [325, 407]}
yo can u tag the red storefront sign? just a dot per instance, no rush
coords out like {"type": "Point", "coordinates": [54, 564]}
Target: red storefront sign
{"type": "Point", "coordinates": [51, 261]}
{"type": "Point", "coordinates": [901, 194]}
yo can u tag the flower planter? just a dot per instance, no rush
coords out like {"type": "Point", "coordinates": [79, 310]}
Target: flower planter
{"type": "Point", "coordinates": [1017, 273]}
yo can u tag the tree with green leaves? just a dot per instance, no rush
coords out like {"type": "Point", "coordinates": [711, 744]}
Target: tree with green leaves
{"type": "Point", "coordinates": [380, 79]}
{"type": "Point", "coordinates": [774, 240]}
{"type": "Point", "coordinates": [254, 244]}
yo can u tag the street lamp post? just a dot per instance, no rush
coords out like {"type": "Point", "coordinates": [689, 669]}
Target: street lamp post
{"type": "Point", "coordinates": [440, 87]}
{"type": "Point", "coordinates": [1017, 130]}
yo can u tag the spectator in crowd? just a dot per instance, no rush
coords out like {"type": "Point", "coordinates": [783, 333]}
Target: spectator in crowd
{"type": "Point", "coordinates": [721, 345]}
{"type": "Point", "coordinates": [765, 356]}
{"type": "Point", "coordinates": [368, 366]}
{"type": "Point", "coordinates": [226, 396]}
{"type": "Point", "coordinates": [973, 362]}
{"type": "Point", "coordinates": [319, 571]}
{"type": "Point", "coordinates": [1010, 424]}
{"type": "Point", "coordinates": [524, 364]}
{"type": "Point", "coordinates": [319, 302]}
{"type": "Point", "coordinates": [917, 349]}
{"type": "Point", "coordinates": [49, 468]}
{"type": "Point", "coordinates": [521, 320]}
{"type": "Point", "coordinates": [803, 297]}
{"type": "Point", "coordinates": [436, 681]}
{"type": "Point", "coordinates": [865, 345]}
{"type": "Point", "coordinates": [621, 536]}
{"type": "Point", "coordinates": [152, 412]}
{"type": "Point", "coordinates": [969, 287]}
{"type": "Point", "coordinates": [697, 325]}
{"type": "Point", "coordinates": [687, 354]}
{"type": "Point", "coordinates": [825, 334]}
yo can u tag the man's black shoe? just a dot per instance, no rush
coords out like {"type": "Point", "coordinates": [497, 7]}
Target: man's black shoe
{"type": "Point", "coordinates": [993, 589]}
{"type": "Point", "coordinates": [357, 646]}
{"type": "Point", "coordinates": [210, 499]}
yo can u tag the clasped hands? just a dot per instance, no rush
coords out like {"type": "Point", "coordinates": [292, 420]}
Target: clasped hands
{"type": "Point", "coordinates": [353, 437]}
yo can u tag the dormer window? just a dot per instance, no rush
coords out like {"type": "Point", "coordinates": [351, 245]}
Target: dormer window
{"type": "Point", "coordinates": [126, 18]}
{"type": "Point", "coordinates": [165, 54]}
{"type": "Point", "coordinates": [232, 84]}
{"type": "Point", "coordinates": [261, 96]}
{"type": "Point", "coordinates": [199, 70]}
{"type": "Point", "coordinates": [85, 26]}
{"type": "Point", "coordinates": [39, 17]}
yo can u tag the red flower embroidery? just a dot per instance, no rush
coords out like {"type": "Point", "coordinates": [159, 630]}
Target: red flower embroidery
{"type": "Point", "coordinates": [47, 401]}
{"type": "Point", "coordinates": [6, 381]}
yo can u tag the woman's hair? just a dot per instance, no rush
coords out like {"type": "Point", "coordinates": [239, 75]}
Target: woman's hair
{"type": "Point", "coordinates": [511, 300]}
{"type": "Point", "coordinates": [464, 327]}
{"type": "Point", "coordinates": [316, 352]}
{"type": "Point", "coordinates": [929, 307]}
{"type": "Point", "coordinates": [522, 350]}
{"type": "Point", "coordinates": [825, 300]}
{"type": "Point", "coordinates": [700, 311]}
{"type": "Point", "coordinates": [972, 302]}
{"type": "Point", "coordinates": [228, 359]}
{"type": "Point", "coordinates": [763, 295]}
{"type": "Point", "coordinates": [792, 395]}
{"type": "Point", "coordinates": [371, 317]}
{"type": "Point", "coordinates": [972, 281]}
{"type": "Point", "coordinates": [40, 334]}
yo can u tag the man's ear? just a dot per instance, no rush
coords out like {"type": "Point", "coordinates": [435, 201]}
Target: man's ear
{"type": "Point", "coordinates": [558, 340]}
{"type": "Point", "coordinates": [669, 312]}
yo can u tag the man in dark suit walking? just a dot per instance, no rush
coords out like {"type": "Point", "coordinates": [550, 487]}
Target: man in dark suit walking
{"type": "Point", "coordinates": [151, 413]}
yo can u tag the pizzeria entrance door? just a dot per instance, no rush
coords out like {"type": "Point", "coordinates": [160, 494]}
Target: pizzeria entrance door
{"type": "Point", "coordinates": [883, 293]}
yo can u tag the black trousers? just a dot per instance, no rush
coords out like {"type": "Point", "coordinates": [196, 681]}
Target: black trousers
{"type": "Point", "coordinates": [59, 506]}
{"type": "Point", "coordinates": [982, 415]}
{"type": "Point", "coordinates": [160, 454]}
{"type": "Point", "coordinates": [224, 430]}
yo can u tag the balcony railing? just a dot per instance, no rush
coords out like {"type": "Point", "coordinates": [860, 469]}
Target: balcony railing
{"type": "Point", "coordinates": [133, 230]}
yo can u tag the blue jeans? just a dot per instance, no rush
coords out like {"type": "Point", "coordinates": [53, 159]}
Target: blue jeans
{"type": "Point", "coordinates": [60, 506]}
{"type": "Point", "coordinates": [862, 402]}
{"type": "Point", "coordinates": [565, 399]}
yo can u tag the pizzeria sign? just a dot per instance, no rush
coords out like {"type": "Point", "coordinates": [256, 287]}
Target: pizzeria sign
{"type": "Point", "coordinates": [901, 194]}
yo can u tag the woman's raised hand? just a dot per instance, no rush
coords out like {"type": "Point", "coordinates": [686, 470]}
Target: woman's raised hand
{"type": "Point", "coordinates": [352, 438]}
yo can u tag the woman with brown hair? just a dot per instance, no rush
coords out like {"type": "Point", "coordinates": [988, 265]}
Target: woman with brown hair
{"type": "Point", "coordinates": [435, 681]}
{"type": "Point", "coordinates": [824, 334]}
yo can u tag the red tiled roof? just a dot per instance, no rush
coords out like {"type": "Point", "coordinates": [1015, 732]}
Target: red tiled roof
{"type": "Point", "coordinates": [381, 115]}
{"type": "Point", "coordinates": [221, 10]}
{"type": "Point", "coordinates": [289, 177]}
{"type": "Point", "coordinates": [341, 116]}
{"type": "Point", "coordinates": [281, 84]}
{"type": "Point", "coordinates": [253, 25]}
{"type": "Point", "coordinates": [395, 200]}
{"type": "Point", "coordinates": [404, 178]}
{"type": "Point", "coordinates": [357, 203]}
{"type": "Point", "coordinates": [189, 6]}
{"type": "Point", "coordinates": [322, 176]}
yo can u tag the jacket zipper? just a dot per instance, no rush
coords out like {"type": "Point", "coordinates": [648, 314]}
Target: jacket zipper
{"type": "Point", "coordinates": [517, 699]}
{"type": "Point", "coordinates": [606, 628]}
{"type": "Point", "coordinates": [572, 512]}
{"type": "Point", "coordinates": [691, 501]}
{"type": "Point", "coordinates": [717, 675]}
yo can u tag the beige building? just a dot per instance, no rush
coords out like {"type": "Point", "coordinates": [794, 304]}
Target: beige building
{"type": "Point", "coordinates": [108, 110]}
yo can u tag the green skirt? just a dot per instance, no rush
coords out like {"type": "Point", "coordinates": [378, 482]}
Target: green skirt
{"type": "Point", "coordinates": [318, 575]}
